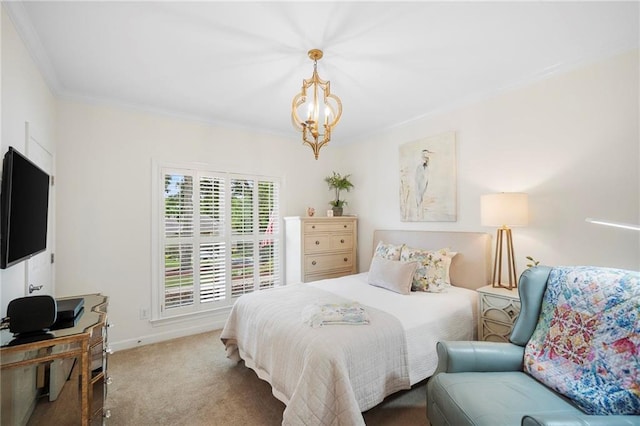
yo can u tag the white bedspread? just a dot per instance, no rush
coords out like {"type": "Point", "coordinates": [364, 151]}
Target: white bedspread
{"type": "Point", "coordinates": [326, 375]}
{"type": "Point", "coordinates": [329, 375]}
{"type": "Point", "coordinates": [425, 317]}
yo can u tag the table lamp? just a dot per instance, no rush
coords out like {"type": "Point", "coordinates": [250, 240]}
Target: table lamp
{"type": "Point", "coordinates": [504, 210]}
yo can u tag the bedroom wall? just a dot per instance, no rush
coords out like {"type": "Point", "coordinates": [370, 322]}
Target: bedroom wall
{"type": "Point", "coordinates": [104, 197]}
{"type": "Point", "coordinates": [25, 98]}
{"type": "Point", "coordinates": [570, 141]}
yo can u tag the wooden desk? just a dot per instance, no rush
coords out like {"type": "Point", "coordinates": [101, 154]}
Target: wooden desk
{"type": "Point", "coordinates": [84, 341]}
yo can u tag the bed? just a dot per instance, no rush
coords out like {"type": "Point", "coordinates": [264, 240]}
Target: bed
{"type": "Point", "coordinates": [331, 373]}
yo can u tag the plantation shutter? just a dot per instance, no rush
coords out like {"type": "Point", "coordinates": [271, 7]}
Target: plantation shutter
{"type": "Point", "coordinates": [220, 238]}
{"type": "Point", "coordinates": [213, 263]}
{"type": "Point", "coordinates": [269, 229]}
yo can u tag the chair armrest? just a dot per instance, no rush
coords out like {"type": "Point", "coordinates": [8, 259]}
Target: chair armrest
{"type": "Point", "coordinates": [458, 356]}
{"type": "Point", "coordinates": [579, 420]}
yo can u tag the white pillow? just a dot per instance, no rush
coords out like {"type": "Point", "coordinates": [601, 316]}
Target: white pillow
{"type": "Point", "coordinates": [392, 275]}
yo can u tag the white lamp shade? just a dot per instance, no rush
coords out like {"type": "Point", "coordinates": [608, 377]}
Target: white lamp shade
{"type": "Point", "coordinates": [504, 209]}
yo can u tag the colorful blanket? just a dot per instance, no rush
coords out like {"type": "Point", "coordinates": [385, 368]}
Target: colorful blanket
{"type": "Point", "coordinates": [586, 345]}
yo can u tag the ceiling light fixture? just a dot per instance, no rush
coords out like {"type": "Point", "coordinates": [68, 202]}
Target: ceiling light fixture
{"type": "Point", "coordinates": [319, 107]}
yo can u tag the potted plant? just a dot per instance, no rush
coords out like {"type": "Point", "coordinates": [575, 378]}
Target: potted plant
{"type": "Point", "coordinates": [338, 183]}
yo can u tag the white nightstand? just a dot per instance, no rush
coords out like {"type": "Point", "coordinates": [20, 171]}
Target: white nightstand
{"type": "Point", "coordinates": [498, 309]}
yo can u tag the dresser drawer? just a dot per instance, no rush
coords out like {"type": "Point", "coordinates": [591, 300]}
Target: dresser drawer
{"type": "Point", "coordinates": [341, 242]}
{"type": "Point", "coordinates": [332, 226]}
{"type": "Point", "coordinates": [327, 262]}
{"type": "Point", "coordinates": [316, 243]}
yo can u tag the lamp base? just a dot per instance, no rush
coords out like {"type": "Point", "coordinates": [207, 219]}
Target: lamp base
{"type": "Point", "coordinates": [496, 277]}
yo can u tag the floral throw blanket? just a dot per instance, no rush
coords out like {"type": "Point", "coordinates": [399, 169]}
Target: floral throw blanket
{"type": "Point", "coordinates": [586, 345]}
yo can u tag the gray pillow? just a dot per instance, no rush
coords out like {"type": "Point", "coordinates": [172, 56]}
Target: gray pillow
{"type": "Point", "coordinates": [392, 275]}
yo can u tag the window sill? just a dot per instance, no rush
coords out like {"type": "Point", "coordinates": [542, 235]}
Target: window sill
{"type": "Point", "coordinates": [220, 313]}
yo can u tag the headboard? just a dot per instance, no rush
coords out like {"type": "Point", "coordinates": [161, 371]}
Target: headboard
{"type": "Point", "coordinates": [470, 268]}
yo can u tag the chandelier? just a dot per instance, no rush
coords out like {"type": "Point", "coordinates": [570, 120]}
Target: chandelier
{"type": "Point", "coordinates": [319, 106]}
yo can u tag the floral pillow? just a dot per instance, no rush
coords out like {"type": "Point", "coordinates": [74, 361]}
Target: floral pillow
{"type": "Point", "coordinates": [432, 274]}
{"type": "Point", "coordinates": [587, 340]}
{"type": "Point", "coordinates": [388, 251]}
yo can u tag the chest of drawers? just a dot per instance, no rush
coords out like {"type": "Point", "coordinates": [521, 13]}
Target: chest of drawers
{"type": "Point", "coordinates": [318, 248]}
{"type": "Point", "coordinates": [498, 309]}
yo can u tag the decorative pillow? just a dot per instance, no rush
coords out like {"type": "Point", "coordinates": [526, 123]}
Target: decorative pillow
{"type": "Point", "coordinates": [392, 274]}
{"type": "Point", "coordinates": [587, 341]}
{"type": "Point", "coordinates": [388, 251]}
{"type": "Point", "coordinates": [432, 274]}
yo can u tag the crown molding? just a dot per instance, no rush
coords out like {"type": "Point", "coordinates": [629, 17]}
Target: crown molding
{"type": "Point", "coordinates": [25, 29]}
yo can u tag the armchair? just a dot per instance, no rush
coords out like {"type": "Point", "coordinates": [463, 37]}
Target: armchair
{"type": "Point", "coordinates": [532, 380]}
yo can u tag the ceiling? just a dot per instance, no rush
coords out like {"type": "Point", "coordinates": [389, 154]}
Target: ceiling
{"type": "Point", "coordinates": [240, 63]}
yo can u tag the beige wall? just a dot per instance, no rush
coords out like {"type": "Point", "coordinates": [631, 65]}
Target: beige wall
{"type": "Point", "coordinates": [571, 141]}
{"type": "Point", "coordinates": [25, 98]}
{"type": "Point", "coordinates": [104, 196]}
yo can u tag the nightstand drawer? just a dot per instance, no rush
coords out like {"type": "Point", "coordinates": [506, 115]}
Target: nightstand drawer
{"type": "Point", "coordinates": [498, 309]}
{"type": "Point", "coordinates": [327, 262]}
{"type": "Point", "coordinates": [507, 315]}
{"type": "Point", "coordinates": [495, 331]}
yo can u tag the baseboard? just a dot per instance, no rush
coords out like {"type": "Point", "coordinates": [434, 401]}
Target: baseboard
{"type": "Point", "coordinates": [166, 335]}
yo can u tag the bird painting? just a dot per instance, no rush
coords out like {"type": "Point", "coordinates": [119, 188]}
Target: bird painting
{"type": "Point", "coordinates": [422, 178]}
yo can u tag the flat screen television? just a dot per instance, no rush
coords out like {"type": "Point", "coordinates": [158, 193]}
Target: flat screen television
{"type": "Point", "coordinates": [24, 205]}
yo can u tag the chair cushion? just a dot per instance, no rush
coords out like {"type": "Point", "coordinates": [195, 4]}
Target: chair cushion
{"type": "Point", "coordinates": [586, 344]}
{"type": "Point", "coordinates": [491, 398]}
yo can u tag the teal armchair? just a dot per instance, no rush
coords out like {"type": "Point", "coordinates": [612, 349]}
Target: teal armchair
{"type": "Point", "coordinates": [485, 383]}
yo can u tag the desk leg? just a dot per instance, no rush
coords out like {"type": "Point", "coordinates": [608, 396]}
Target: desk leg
{"type": "Point", "coordinates": [85, 377]}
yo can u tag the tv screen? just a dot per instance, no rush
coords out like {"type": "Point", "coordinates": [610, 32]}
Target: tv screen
{"type": "Point", "coordinates": [24, 205]}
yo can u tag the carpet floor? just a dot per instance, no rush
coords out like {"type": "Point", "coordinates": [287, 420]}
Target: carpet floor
{"type": "Point", "coordinates": [189, 381]}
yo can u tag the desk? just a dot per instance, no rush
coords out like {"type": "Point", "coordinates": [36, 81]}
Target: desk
{"type": "Point", "coordinates": [84, 342]}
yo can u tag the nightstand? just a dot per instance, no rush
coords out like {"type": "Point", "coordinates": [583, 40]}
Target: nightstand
{"type": "Point", "coordinates": [498, 309]}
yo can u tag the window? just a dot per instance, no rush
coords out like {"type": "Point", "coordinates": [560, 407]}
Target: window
{"type": "Point", "coordinates": [219, 238]}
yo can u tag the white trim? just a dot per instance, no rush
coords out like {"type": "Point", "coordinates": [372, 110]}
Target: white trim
{"type": "Point", "coordinates": [24, 27]}
{"type": "Point", "coordinates": [214, 322]}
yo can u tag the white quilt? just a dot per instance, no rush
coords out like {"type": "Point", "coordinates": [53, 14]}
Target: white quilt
{"type": "Point", "coordinates": [324, 375]}
{"type": "Point", "coordinates": [425, 317]}
{"type": "Point", "coordinates": [329, 375]}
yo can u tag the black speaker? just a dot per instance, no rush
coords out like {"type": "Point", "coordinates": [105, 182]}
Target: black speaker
{"type": "Point", "coordinates": [31, 314]}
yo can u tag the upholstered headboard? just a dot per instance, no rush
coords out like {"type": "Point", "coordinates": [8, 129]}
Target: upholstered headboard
{"type": "Point", "coordinates": [470, 268]}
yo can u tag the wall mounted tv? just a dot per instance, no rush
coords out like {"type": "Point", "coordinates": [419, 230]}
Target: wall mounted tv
{"type": "Point", "coordinates": [24, 205]}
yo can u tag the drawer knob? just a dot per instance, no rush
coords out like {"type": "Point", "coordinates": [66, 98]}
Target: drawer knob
{"type": "Point", "coordinates": [346, 259]}
{"type": "Point", "coordinates": [317, 242]}
{"type": "Point", "coordinates": [313, 263]}
{"type": "Point", "coordinates": [313, 227]}
{"type": "Point", "coordinates": [342, 241]}
{"type": "Point", "coordinates": [344, 226]}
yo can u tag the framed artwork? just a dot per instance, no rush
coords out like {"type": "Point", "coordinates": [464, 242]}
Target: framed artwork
{"type": "Point", "coordinates": [428, 179]}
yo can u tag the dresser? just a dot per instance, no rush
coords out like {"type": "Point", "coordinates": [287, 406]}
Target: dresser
{"type": "Point", "coordinates": [498, 309]}
{"type": "Point", "coordinates": [68, 364]}
{"type": "Point", "coordinates": [320, 247]}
